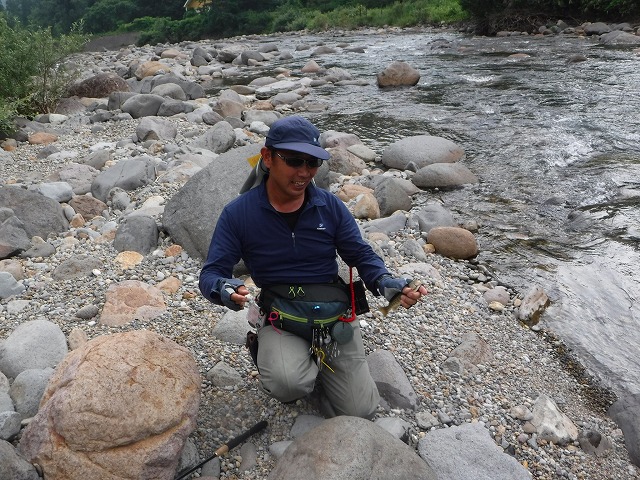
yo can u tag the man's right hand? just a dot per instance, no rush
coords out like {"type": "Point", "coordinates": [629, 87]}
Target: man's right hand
{"type": "Point", "coordinates": [233, 293]}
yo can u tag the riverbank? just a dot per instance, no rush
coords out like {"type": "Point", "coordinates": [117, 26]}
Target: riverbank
{"type": "Point", "coordinates": [524, 364]}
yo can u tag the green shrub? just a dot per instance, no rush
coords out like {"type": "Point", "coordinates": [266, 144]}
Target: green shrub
{"type": "Point", "coordinates": [33, 73]}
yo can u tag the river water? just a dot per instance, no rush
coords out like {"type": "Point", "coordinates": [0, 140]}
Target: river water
{"type": "Point", "coordinates": [556, 145]}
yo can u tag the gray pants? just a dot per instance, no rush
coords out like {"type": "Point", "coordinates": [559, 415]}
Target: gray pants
{"type": "Point", "coordinates": [288, 372]}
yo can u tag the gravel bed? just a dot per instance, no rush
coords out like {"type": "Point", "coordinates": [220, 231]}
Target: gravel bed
{"type": "Point", "coordinates": [526, 363]}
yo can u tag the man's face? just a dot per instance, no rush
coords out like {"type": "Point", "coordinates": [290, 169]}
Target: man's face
{"type": "Point", "coordinates": [289, 179]}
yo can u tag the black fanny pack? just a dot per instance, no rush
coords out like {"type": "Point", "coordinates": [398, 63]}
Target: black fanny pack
{"type": "Point", "coordinates": [302, 308]}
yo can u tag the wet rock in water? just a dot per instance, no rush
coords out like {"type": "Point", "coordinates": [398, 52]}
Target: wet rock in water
{"type": "Point", "coordinates": [453, 242]}
{"type": "Point", "coordinates": [444, 175]}
{"type": "Point", "coordinates": [398, 74]}
{"type": "Point", "coordinates": [421, 150]}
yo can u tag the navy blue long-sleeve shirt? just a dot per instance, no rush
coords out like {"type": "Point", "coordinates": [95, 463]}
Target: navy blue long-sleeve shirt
{"type": "Point", "coordinates": [251, 229]}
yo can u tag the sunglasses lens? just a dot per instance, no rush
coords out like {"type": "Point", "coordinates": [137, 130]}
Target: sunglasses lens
{"type": "Point", "coordinates": [297, 162]}
{"type": "Point", "coordinates": [294, 161]}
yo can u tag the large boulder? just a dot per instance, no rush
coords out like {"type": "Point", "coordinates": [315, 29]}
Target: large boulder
{"type": "Point", "coordinates": [119, 407]}
{"type": "Point", "coordinates": [419, 151]}
{"type": "Point", "coordinates": [126, 174]}
{"type": "Point", "coordinates": [398, 74]}
{"type": "Point", "coordinates": [40, 215]}
{"type": "Point", "coordinates": [192, 213]}
{"type": "Point", "coordinates": [443, 175]}
{"type": "Point", "coordinates": [100, 85]}
{"type": "Point", "coordinates": [453, 242]}
{"type": "Point", "coordinates": [350, 448]}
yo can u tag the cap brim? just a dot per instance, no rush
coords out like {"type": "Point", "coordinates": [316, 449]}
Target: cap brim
{"type": "Point", "coordinates": [317, 152]}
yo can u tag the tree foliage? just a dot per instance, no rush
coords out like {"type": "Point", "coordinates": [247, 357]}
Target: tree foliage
{"type": "Point", "coordinates": [33, 72]}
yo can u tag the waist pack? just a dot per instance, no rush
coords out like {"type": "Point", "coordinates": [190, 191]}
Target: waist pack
{"type": "Point", "coordinates": [300, 309]}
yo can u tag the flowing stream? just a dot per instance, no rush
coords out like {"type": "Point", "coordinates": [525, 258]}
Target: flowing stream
{"type": "Point", "coordinates": [554, 137]}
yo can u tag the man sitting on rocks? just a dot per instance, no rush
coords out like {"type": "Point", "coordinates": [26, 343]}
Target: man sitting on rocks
{"type": "Point", "coordinates": [288, 233]}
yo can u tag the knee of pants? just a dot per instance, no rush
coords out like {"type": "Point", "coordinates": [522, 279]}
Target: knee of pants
{"type": "Point", "coordinates": [286, 386]}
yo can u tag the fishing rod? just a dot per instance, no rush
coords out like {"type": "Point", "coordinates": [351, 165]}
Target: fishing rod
{"type": "Point", "coordinates": [234, 442]}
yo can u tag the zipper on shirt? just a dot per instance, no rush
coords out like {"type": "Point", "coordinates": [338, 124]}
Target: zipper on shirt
{"type": "Point", "coordinates": [293, 237]}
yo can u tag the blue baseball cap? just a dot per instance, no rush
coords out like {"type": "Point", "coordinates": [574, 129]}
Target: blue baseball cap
{"type": "Point", "coordinates": [296, 134]}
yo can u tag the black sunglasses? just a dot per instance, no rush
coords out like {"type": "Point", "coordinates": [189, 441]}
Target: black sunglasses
{"type": "Point", "coordinates": [297, 162]}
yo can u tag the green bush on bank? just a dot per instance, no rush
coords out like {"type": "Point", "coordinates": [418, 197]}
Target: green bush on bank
{"type": "Point", "coordinates": [290, 17]}
{"type": "Point", "coordinates": [33, 74]}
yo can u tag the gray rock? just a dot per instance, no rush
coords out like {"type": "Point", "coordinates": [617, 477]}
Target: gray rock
{"type": "Point", "coordinates": [619, 38]}
{"type": "Point", "coordinates": [154, 128]}
{"type": "Point", "coordinates": [191, 89]}
{"type": "Point", "coordinates": [249, 454]}
{"type": "Point", "coordinates": [87, 312]}
{"type": "Point", "coordinates": [421, 150]}
{"type": "Point", "coordinates": [13, 237]}
{"type": "Point", "coordinates": [191, 214]}
{"type": "Point", "coordinates": [58, 191]}
{"type": "Point", "coordinates": [172, 107]}
{"type": "Point", "coordinates": [97, 160]}
{"type": "Point", "coordinates": [535, 301]}
{"type": "Point", "coordinates": [594, 443]}
{"type": "Point", "coordinates": [9, 286]}
{"type": "Point", "coordinates": [395, 426]}
{"type": "Point", "coordinates": [388, 226]}
{"type": "Point", "coordinates": [9, 426]}
{"type": "Point", "coordinates": [36, 344]}
{"type": "Point", "coordinates": [626, 413]}
{"type": "Point", "coordinates": [39, 214]}
{"type": "Point", "coordinates": [218, 139]}
{"type": "Point", "coordinates": [13, 465]}
{"type": "Point", "coordinates": [232, 327]}
{"type": "Point", "coordinates": [248, 55]}
{"type": "Point", "coordinates": [277, 449]}
{"type": "Point", "coordinates": [467, 451]}
{"type": "Point", "coordinates": [39, 248]}
{"type": "Point", "coordinates": [443, 175]}
{"type": "Point", "coordinates": [264, 116]}
{"type": "Point", "coordinates": [80, 176]}
{"type": "Point", "coordinates": [142, 105]}
{"type": "Point", "coordinates": [426, 421]}
{"type": "Point", "coordinates": [434, 215]}
{"type": "Point", "coordinates": [551, 424]}
{"type": "Point", "coordinates": [127, 174]}
{"type": "Point", "coordinates": [398, 74]}
{"type": "Point", "coordinates": [393, 384]}
{"type": "Point", "coordinates": [472, 351]}
{"type": "Point", "coordinates": [170, 90]}
{"type": "Point", "coordinates": [350, 448]}
{"type": "Point", "coordinates": [118, 99]}
{"type": "Point", "coordinates": [596, 28]}
{"type": "Point", "coordinates": [304, 423]}
{"type": "Point", "coordinates": [137, 233]}
{"type": "Point", "coordinates": [391, 197]}
{"type": "Point", "coordinates": [27, 389]}
{"type": "Point", "coordinates": [284, 98]}
{"type": "Point", "coordinates": [223, 375]}
{"type": "Point", "coordinates": [6, 404]}
{"type": "Point", "coordinates": [78, 266]}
